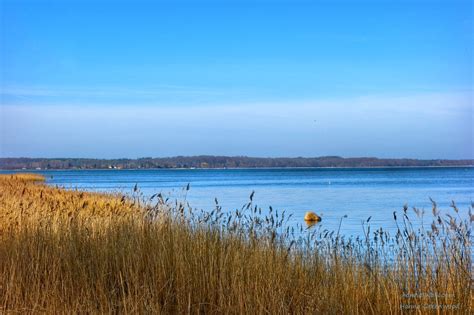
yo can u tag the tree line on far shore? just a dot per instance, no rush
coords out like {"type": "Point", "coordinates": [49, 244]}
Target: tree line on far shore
{"type": "Point", "coordinates": [208, 161]}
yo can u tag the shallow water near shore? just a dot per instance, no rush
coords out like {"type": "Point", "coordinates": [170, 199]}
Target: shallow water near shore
{"type": "Point", "coordinates": [332, 193]}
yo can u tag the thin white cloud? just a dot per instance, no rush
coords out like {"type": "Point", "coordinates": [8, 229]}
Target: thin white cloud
{"type": "Point", "coordinates": [423, 125]}
{"type": "Point", "coordinates": [107, 91]}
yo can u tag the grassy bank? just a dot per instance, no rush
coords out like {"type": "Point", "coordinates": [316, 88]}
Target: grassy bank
{"type": "Point", "coordinates": [71, 251]}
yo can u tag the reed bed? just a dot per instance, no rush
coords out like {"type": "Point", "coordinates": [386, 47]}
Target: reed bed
{"type": "Point", "coordinates": [29, 177]}
{"type": "Point", "coordinates": [66, 251]}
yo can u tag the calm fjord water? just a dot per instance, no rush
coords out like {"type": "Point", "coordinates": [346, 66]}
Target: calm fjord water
{"type": "Point", "coordinates": [357, 193]}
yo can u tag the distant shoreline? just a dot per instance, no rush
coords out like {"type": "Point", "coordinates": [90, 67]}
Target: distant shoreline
{"type": "Point", "coordinates": [236, 168]}
{"type": "Point", "coordinates": [224, 162]}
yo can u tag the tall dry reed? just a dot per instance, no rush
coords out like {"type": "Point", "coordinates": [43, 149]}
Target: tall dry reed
{"type": "Point", "coordinates": [71, 251]}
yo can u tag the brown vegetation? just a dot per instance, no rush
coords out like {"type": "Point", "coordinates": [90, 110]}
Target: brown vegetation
{"type": "Point", "coordinates": [28, 177]}
{"type": "Point", "coordinates": [70, 251]}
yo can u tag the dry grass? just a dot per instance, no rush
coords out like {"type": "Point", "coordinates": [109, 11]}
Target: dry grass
{"type": "Point", "coordinates": [28, 177]}
{"type": "Point", "coordinates": [24, 204]}
{"type": "Point", "coordinates": [70, 251]}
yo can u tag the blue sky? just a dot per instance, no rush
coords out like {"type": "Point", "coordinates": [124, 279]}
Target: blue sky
{"type": "Point", "coordinates": [140, 78]}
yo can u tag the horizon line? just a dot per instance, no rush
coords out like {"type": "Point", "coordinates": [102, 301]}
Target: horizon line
{"type": "Point", "coordinates": [239, 156]}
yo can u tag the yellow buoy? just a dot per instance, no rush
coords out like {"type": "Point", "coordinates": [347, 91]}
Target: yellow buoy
{"type": "Point", "coordinates": [311, 217]}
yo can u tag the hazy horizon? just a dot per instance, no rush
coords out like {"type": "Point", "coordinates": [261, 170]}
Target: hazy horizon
{"type": "Point", "coordinates": [268, 79]}
{"type": "Point", "coordinates": [225, 156]}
